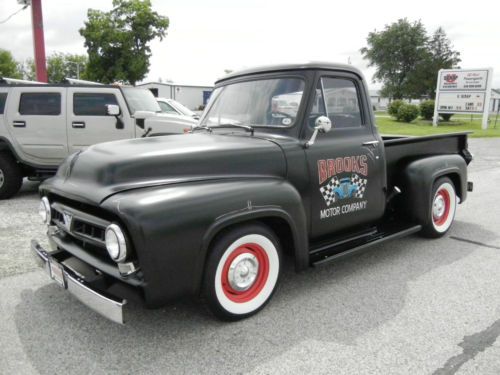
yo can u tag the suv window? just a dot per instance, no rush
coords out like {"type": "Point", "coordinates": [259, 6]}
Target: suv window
{"type": "Point", "coordinates": [3, 98]}
{"type": "Point", "coordinates": [92, 104]}
{"type": "Point", "coordinates": [340, 96]}
{"type": "Point", "coordinates": [40, 103]}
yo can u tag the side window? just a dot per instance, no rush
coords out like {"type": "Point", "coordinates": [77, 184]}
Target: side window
{"type": "Point", "coordinates": [167, 108]}
{"type": "Point", "coordinates": [340, 96]}
{"type": "Point", "coordinates": [40, 103]}
{"type": "Point", "coordinates": [92, 104]}
{"type": "Point", "coordinates": [3, 99]}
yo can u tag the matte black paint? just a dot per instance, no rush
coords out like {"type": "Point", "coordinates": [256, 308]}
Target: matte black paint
{"type": "Point", "coordinates": [174, 194]}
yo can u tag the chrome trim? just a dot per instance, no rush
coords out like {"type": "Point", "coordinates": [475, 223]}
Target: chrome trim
{"type": "Point", "coordinates": [107, 307]}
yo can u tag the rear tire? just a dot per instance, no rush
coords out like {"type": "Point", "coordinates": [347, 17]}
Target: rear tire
{"type": "Point", "coordinates": [242, 272]}
{"type": "Point", "coordinates": [11, 177]}
{"type": "Point", "coordinates": [442, 210]}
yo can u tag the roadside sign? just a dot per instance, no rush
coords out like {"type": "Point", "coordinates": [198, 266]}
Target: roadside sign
{"type": "Point", "coordinates": [463, 91]}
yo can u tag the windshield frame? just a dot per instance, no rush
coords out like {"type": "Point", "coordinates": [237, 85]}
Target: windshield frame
{"type": "Point", "coordinates": [125, 97]}
{"type": "Point", "coordinates": [261, 77]}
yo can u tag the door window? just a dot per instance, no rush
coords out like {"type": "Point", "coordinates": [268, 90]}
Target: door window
{"type": "Point", "coordinates": [338, 98]}
{"type": "Point", "coordinates": [92, 104]}
{"type": "Point", "coordinates": [40, 103]}
{"type": "Point", "coordinates": [3, 98]}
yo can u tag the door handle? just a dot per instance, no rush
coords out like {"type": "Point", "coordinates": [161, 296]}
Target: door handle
{"type": "Point", "coordinates": [78, 125]}
{"type": "Point", "coordinates": [19, 124]}
{"type": "Point", "coordinates": [371, 143]}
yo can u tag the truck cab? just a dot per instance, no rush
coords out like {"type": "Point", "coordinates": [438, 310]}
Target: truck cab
{"type": "Point", "coordinates": [285, 161]}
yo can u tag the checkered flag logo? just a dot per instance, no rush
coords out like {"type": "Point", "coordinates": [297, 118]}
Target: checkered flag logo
{"type": "Point", "coordinates": [328, 190]}
{"type": "Point", "coordinates": [360, 183]}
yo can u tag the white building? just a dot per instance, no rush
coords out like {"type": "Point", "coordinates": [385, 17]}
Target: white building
{"type": "Point", "coordinates": [380, 103]}
{"type": "Point", "coordinates": [191, 96]}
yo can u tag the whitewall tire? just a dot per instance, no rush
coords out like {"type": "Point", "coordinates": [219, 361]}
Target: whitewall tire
{"type": "Point", "coordinates": [443, 207]}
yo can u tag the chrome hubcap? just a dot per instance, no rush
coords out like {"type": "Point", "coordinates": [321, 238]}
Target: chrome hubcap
{"type": "Point", "coordinates": [2, 178]}
{"type": "Point", "coordinates": [438, 207]}
{"type": "Point", "coordinates": [243, 272]}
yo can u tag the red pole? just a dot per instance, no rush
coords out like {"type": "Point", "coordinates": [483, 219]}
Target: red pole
{"type": "Point", "coordinates": [38, 40]}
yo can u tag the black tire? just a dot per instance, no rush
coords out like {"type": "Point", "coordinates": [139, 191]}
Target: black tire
{"type": "Point", "coordinates": [442, 210]}
{"type": "Point", "coordinates": [11, 177]}
{"type": "Point", "coordinates": [232, 259]}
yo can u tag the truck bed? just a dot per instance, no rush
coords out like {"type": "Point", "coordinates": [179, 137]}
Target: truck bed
{"type": "Point", "coordinates": [399, 150]}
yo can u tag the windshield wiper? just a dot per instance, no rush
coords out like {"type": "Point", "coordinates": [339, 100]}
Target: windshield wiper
{"type": "Point", "coordinates": [202, 127]}
{"type": "Point", "coordinates": [230, 125]}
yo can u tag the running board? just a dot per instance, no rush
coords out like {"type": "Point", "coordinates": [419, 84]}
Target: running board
{"type": "Point", "coordinates": [346, 249]}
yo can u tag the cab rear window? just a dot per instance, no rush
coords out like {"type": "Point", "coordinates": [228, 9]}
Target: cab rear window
{"type": "Point", "coordinates": [40, 103]}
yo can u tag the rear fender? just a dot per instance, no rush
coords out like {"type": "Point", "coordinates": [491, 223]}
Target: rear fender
{"type": "Point", "coordinates": [419, 177]}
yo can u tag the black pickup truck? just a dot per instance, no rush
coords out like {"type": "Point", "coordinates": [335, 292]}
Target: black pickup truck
{"type": "Point", "coordinates": [286, 161]}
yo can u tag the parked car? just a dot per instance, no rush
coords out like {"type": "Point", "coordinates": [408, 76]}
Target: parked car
{"type": "Point", "coordinates": [172, 106]}
{"type": "Point", "coordinates": [42, 124]}
{"type": "Point", "coordinates": [214, 212]}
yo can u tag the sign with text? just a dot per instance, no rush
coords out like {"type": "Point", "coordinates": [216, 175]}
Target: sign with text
{"type": "Point", "coordinates": [451, 102]}
{"type": "Point", "coordinates": [463, 91]}
{"type": "Point", "coordinates": [463, 80]}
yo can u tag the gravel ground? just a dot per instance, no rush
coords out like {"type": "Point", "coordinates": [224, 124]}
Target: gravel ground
{"type": "Point", "coordinates": [412, 306]}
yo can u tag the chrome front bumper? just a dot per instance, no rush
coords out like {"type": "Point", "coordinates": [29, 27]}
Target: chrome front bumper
{"type": "Point", "coordinates": [108, 307]}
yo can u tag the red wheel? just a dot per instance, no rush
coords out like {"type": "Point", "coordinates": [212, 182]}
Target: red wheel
{"type": "Point", "coordinates": [242, 272]}
{"type": "Point", "coordinates": [442, 210]}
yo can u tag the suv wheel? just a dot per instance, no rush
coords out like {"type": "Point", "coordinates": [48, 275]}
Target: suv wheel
{"type": "Point", "coordinates": [242, 272]}
{"type": "Point", "coordinates": [442, 210]}
{"type": "Point", "coordinates": [11, 177]}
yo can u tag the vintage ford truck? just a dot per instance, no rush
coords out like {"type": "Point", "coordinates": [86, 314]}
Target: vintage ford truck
{"type": "Point", "coordinates": [286, 161]}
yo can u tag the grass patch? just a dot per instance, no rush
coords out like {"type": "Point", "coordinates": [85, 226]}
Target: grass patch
{"type": "Point", "coordinates": [422, 127]}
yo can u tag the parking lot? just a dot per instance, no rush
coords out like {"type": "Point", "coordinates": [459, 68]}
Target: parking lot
{"type": "Point", "coordinates": [412, 306]}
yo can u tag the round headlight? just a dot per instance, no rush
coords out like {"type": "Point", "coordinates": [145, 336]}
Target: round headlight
{"type": "Point", "coordinates": [115, 243]}
{"type": "Point", "coordinates": [44, 210]}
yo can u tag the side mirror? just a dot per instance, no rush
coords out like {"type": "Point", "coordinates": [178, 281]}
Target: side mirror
{"type": "Point", "coordinates": [322, 125]}
{"type": "Point", "coordinates": [112, 110]}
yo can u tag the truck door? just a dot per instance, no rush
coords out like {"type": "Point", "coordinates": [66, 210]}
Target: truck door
{"type": "Point", "coordinates": [347, 170]}
{"type": "Point", "coordinates": [88, 122]}
{"type": "Point", "coordinates": [36, 120]}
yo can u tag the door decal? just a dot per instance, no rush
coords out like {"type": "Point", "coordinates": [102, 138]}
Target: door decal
{"type": "Point", "coordinates": [343, 180]}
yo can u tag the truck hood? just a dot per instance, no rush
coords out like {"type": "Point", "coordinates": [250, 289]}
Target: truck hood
{"type": "Point", "coordinates": [101, 170]}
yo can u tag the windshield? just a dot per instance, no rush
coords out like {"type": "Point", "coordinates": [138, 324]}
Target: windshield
{"type": "Point", "coordinates": [181, 108]}
{"type": "Point", "coordinates": [140, 100]}
{"type": "Point", "coordinates": [267, 102]}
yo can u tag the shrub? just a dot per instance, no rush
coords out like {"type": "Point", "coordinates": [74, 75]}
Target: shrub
{"type": "Point", "coordinates": [393, 107]}
{"type": "Point", "coordinates": [446, 116]}
{"type": "Point", "coordinates": [427, 109]}
{"type": "Point", "coordinates": [407, 112]}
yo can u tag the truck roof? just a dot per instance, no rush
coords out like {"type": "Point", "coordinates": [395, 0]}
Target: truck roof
{"type": "Point", "coordinates": [312, 65]}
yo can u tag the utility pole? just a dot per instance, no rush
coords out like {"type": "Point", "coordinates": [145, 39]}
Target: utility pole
{"type": "Point", "coordinates": [38, 38]}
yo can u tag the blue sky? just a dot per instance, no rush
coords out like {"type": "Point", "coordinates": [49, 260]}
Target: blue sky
{"type": "Point", "coordinates": [207, 37]}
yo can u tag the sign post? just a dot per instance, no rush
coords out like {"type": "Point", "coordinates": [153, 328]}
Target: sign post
{"type": "Point", "coordinates": [463, 91]}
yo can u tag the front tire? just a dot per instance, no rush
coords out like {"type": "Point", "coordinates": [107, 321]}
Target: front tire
{"type": "Point", "coordinates": [11, 177]}
{"type": "Point", "coordinates": [242, 272]}
{"type": "Point", "coordinates": [442, 210]}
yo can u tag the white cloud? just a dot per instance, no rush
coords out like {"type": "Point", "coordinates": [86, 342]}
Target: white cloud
{"type": "Point", "coordinates": [206, 37]}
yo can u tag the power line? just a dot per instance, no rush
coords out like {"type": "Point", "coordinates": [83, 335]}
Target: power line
{"type": "Point", "coordinates": [13, 14]}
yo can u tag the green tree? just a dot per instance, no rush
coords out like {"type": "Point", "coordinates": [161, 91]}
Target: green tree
{"type": "Point", "coordinates": [117, 41]}
{"type": "Point", "coordinates": [395, 52]}
{"type": "Point", "coordinates": [8, 66]}
{"type": "Point", "coordinates": [59, 67]}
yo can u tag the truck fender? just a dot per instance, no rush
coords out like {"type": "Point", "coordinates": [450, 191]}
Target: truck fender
{"type": "Point", "coordinates": [419, 177]}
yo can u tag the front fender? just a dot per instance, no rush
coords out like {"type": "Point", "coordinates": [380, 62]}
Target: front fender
{"type": "Point", "coordinates": [172, 226]}
{"type": "Point", "coordinates": [419, 177]}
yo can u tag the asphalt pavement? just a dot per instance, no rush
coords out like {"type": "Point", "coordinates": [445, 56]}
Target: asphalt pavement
{"type": "Point", "coordinates": [412, 306]}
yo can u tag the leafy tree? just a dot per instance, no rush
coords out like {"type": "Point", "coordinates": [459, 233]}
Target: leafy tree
{"type": "Point", "coordinates": [8, 66]}
{"type": "Point", "coordinates": [395, 52]}
{"type": "Point", "coordinates": [59, 67]}
{"type": "Point", "coordinates": [117, 41]}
